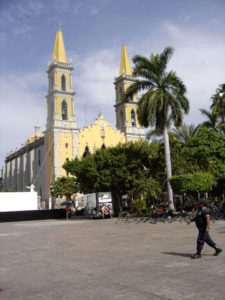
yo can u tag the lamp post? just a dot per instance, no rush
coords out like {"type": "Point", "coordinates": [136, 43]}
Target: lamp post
{"type": "Point", "coordinates": [52, 204]}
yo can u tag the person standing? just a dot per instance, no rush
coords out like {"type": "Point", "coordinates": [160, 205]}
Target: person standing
{"type": "Point", "coordinates": [202, 221]}
{"type": "Point", "coordinates": [67, 208]}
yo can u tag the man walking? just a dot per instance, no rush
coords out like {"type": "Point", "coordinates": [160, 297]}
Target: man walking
{"type": "Point", "coordinates": [202, 221]}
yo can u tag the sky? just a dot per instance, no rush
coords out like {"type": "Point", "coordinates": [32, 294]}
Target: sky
{"type": "Point", "coordinates": [93, 32]}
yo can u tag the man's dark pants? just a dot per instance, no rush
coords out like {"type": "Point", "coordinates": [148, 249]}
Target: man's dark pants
{"type": "Point", "coordinates": [203, 237]}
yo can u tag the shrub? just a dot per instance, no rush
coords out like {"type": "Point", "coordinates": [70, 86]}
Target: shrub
{"type": "Point", "coordinates": [139, 207]}
{"type": "Point", "coordinates": [192, 183]}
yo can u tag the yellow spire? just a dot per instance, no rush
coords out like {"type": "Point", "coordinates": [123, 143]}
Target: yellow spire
{"type": "Point", "coordinates": [124, 63]}
{"type": "Point", "coordinates": [59, 52]}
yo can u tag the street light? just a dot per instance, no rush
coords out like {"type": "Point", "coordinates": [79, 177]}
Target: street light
{"type": "Point", "coordinates": [51, 189]}
{"type": "Point", "coordinates": [51, 193]}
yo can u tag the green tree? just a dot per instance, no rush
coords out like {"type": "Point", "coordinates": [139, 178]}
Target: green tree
{"type": "Point", "coordinates": [192, 183]}
{"type": "Point", "coordinates": [163, 98]}
{"type": "Point", "coordinates": [139, 207]}
{"type": "Point", "coordinates": [212, 118]}
{"type": "Point", "coordinates": [65, 186]}
{"type": "Point", "coordinates": [123, 169]}
{"type": "Point", "coordinates": [151, 191]}
{"type": "Point", "coordinates": [219, 101]}
{"type": "Point", "coordinates": [185, 132]}
{"type": "Point", "coordinates": [181, 163]}
{"type": "Point", "coordinates": [207, 151]}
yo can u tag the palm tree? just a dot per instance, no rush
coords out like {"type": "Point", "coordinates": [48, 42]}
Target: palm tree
{"type": "Point", "coordinates": [185, 132]}
{"type": "Point", "coordinates": [219, 101]}
{"type": "Point", "coordinates": [155, 133]}
{"type": "Point", "coordinates": [213, 118]}
{"type": "Point", "coordinates": [163, 98]}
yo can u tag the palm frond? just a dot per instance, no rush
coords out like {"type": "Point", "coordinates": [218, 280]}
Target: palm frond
{"type": "Point", "coordinates": [164, 93]}
{"type": "Point", "coordinates": [164, 58]}
{"type": "Point", "coordinates": [173, 82]}
{"type": "Point", "coordinates": [183, 133]}
{"type": "Point", "coordinates": [213, 118]}
{"type": "Point", "coordinates": [143, 110]}
{"type": "Point", "coordinates": [219, 101]}
{"type": "Point", "coordinates": [176, 112]}
{"type": "Point", "coordinates": [153, 133]}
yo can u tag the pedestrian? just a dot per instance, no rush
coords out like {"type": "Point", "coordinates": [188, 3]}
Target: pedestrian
{"type": "Point", "coordinates": [202, 221]}
{"type": "Point", "coordinates": [67, 208]}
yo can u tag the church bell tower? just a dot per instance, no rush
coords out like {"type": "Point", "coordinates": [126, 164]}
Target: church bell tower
{"type": "Point", "coordinates": [126, 113]}
{"type": "Point", "coordinates": [61, 135]}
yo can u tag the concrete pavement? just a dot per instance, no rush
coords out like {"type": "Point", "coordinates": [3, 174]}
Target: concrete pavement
{"type": "Point", "coordinates": [108, 259]}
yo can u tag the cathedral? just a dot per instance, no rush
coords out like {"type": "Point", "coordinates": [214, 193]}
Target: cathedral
{"type": "Point", "coordinates": [39, 161]}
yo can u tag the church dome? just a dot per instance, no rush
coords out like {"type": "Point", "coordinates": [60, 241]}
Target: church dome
{"type": "Point", "coordinates": [33, 138]}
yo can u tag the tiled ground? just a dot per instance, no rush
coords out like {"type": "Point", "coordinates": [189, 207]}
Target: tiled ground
{"type": "Point", "coordinates": [108, 259]}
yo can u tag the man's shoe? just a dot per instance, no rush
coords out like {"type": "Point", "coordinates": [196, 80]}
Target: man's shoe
{"type": "Point", "coordinates": [218, 250]}
{"type": "Point", "coordinates": [196, 255]}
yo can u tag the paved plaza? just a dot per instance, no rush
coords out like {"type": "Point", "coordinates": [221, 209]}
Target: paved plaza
{"type": "Point", "coordinates": [108, 259]}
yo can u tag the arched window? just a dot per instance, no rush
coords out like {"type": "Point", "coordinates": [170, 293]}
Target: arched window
{"type": "Point", "coordinates": [86, 151]}
{"type": "Point", "coordinates": [64, 110]}
{"type": "Point", "coordinates": [121, 118]}
{"type": "Point", "coordinates": [94, 149]}
{"type": "Point", "coordinates": [133, 118]}
{"type": "Point", "coordinates": [63, 82]}
{"type": "Point", "coordinates": [103, 146]}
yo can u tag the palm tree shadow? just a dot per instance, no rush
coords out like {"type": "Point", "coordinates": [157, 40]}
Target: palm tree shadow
{"type": "Point", "coordinates": [178, 254]}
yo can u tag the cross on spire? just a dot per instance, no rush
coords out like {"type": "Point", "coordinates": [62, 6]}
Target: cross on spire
{"type": "Point", "coordinates": [100, 112]}
{"type": "Point", "coordinates": [59, 27]}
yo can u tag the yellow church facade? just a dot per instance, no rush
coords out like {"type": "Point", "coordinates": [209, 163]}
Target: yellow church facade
{"type": "Point", "coordinates": [63, 140]}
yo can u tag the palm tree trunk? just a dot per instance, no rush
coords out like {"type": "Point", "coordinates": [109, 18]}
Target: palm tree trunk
{"type": "Point", "coordinates": [168, 167]}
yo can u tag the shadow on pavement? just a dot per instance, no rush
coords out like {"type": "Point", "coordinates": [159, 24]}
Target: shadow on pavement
{"type": "Point", "coordinates": [182, 254]}
{"type": "Point", "coordinates": [178, 254]}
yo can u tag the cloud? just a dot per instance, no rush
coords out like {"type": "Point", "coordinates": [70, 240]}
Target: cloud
{"type": "Point", "coordinates": [24, 9]}
{"type": "Point", "coordinates": [21, 30]}
{"type": "Point", "coordinates": [22, 106]}
{"type": "Point", "coordinates": [19, 24]}
{"type": "Point", "coordinates": [61, 6]}
{"type": "Point", "coordinates": [93, 83]}
{"type": "Point", "coordinates": [76, 8]}
{"type": "Point", "coordinates": [93, 10]}
{"type": "Point", "coordinates": [198, 60]}
{"type": "Point", "coordinates": [2, 39]}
